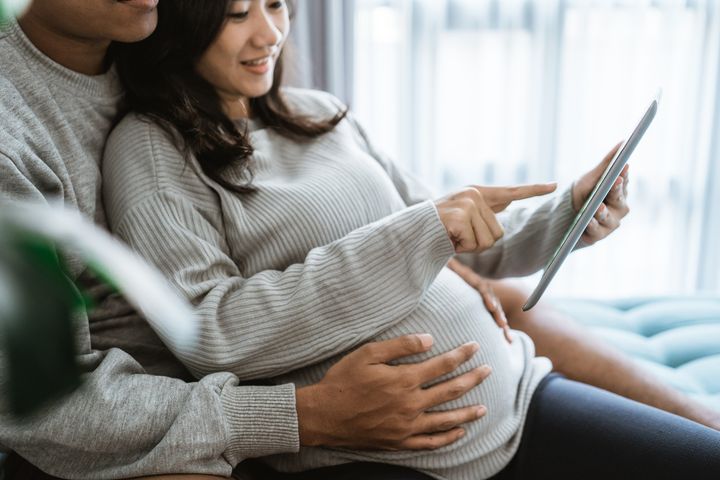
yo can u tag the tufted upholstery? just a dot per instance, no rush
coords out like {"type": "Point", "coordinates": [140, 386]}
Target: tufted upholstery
{"type": "Point", "coordinates": [678, 338]}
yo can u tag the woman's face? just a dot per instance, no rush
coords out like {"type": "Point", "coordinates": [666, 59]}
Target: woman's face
{"type": "Point", "coordinates": [241, 61]}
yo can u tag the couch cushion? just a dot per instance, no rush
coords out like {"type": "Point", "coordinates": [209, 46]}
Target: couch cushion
{"type": "Point", "coordinates": [677, 338]}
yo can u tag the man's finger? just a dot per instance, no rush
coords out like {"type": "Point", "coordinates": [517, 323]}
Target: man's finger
{"type": "Point", "coordinates": [448, 362]}
{"type": "Point", "coordinates": [431, 441]}
{"type": "Point", "coordinates": [455, 387]}
{"type": "Point", "coordinates": [498, 198]}
{"type": "Point", "coordinates": [395, 348]}
{"type": "Point", "coordinates": [443, 421]}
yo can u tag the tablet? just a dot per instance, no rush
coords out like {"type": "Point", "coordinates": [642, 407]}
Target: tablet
{"type": "Point", "coordinates": [596, 197]}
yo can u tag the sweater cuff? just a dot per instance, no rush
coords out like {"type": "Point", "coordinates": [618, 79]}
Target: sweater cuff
{"type": "Point", "coordinates": [565, 212]}
{"type": "Point", "coordinates": [443, 247]}
{"type": "Point", "coordinates": [566, 215]}
{"type": "Point", "coordinates": [261, 421]}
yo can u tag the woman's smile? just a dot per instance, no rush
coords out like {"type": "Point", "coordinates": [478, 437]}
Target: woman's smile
{"type": "Point", "coordinates": [258, 66]}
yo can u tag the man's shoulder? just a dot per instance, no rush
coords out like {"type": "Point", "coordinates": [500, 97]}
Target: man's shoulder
{"type": "Point", "coordinates": [17, 116]}
{"type": "Point", "coordinates": [13, 69]}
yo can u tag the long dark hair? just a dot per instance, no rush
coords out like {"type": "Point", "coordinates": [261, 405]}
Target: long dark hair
{"type": "Point", "coordinates": [161, 84]}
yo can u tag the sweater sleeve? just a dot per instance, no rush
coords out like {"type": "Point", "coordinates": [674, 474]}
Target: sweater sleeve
{"type": "Point", "coordinates": [531, 237]}
{"type": "Point", "coordinates": [531, 234]}
{"type": "Point", "coordinates": [274, 321]}
{"type": "Point", "coordinates": [123, 423]}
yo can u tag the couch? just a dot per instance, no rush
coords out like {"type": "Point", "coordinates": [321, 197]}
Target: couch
{"type": "Point", "coordinates": [677, 338]}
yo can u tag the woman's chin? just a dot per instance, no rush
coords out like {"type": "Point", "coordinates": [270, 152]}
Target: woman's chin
{"type": "Point", "coordinates": [256, 88]}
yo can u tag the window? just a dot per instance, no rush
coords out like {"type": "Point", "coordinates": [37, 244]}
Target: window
{"type": "Point", "coordinates": [514, 91]}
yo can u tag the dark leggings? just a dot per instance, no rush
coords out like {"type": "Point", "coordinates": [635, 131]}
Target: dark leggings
{"type": "Point", "coordinates": [575, 431]}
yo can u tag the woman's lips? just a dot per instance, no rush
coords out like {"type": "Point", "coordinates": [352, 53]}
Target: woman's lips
{"type": "Point", "coordinates": [258, 67]}
{"type": "Point", "coordinates": [147, 5]}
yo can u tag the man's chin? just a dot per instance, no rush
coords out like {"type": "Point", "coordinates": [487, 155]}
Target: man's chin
{"type": "Point", "coordinates": [138, 31]}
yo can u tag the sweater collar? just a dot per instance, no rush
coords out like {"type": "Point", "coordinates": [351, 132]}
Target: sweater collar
{"type": "Point", "coordinates": [104, 87]}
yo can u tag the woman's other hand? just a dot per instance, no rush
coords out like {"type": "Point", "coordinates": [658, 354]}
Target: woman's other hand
{"type": "Point", "coordinates": [469, 215]}
{"type": "Point", "coordinates": [613, 209]}
{"type": "Point", "coordinates": [484, 288]}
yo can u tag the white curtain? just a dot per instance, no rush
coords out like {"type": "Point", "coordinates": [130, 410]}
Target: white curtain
{"type": "Point", "coordinates": [511, 91]}
{"type": "Point", "coordinates": [321, 46]}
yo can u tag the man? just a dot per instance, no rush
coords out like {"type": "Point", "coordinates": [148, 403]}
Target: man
{"type": "Point", "coordinates": [58, 103]}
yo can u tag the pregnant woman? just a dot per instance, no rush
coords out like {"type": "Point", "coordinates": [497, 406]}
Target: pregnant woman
{"type": "Point", "coordinates": [270, 210]}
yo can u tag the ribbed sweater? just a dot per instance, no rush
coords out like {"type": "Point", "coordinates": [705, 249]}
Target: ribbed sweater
{"type": "Point", "coordinates": [126, 421]}
{"type": "Point", "coordinates": [337, 247]}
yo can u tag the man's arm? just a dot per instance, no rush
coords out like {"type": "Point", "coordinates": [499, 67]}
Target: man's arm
{"type": "Point", "coordinates": [123, 423]}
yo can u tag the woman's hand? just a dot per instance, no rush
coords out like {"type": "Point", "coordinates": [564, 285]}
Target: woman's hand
{"type": "Point", "coordinates": [469, 215]}
{"type": "Point", "coordinates": [484, 288]}
{"type": "Point", "coordinates": [362, 402]}
{"type": "Point", "coordinates": [613, 209]}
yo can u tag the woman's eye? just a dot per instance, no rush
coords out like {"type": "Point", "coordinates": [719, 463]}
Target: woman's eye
{"type": "Point", "coordinates": [238, 15]}
{"type": "Point", "coordinates": [276, 5]}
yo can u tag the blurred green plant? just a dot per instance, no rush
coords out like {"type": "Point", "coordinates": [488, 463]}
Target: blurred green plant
{"type": "Point", "coordinates": [38, 301]}
{"type": "Point", "coordinates": [36, 322]}
{"type": "Point", "coordinates": [11, 8]}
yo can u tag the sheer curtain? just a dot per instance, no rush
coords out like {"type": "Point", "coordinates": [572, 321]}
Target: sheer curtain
{"type": "Point", "coordinates": [509, 91]}
{"type": "Point", "coordinates": [321, 46]}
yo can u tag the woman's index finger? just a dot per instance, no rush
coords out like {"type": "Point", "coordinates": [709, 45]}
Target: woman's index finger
{"type": "Point", "coordinates": [505, 195]}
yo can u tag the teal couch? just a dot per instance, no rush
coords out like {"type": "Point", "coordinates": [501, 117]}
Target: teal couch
{"type": "Point", "coordinates": [677, 338]}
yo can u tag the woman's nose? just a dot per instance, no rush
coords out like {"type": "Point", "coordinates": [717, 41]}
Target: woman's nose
{"type": "Point", "coordinates": [266, 32]}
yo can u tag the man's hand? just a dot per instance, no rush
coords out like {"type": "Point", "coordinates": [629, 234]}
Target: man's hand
{"type": "Point", "coordinates": [614, 207]}
{"type": "Point", "coordinates": [364, 403]}
{"type": "Point", "coordinates": [484, 288]}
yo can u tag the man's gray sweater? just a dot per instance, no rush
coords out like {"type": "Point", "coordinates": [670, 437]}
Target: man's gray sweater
{"type": "Point", "coordinates": [127, 420]}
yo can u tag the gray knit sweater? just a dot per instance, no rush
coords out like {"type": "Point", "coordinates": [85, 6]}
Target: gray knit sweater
{"type": "Point", "coordinates": [124, 422]}
{"type": "Point", "coordinates": [337, 248]}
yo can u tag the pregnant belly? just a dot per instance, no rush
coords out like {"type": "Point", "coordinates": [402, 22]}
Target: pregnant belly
{"type": "Point", "coordinates": [453, 313]}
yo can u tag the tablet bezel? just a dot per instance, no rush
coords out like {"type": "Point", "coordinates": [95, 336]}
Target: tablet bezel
{"type": "Point", "coordinates": [596, 197]}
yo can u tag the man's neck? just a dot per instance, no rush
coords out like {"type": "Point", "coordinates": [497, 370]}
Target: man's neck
{"type": "Point", "coordinates": [78, 54]}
